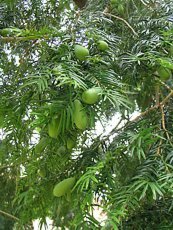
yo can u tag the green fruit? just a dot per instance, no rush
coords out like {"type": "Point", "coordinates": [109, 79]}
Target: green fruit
{"type": "Point", "coordinates": [41, 145]}
{"type": "Point", "coordinates": [102, 45]}
{"type": "Point", "coordinates": [53, 128]}
{"type": "Point", "coordinates": [71, 143]}
{"type": "Point", "coordinates": [81, 52]}
{"type": "Point", "coordinates": [80, 116]}
{"type": "Point", "coordinates": [91, 96]}
{"type": "Point", "coordinates": [64, 187]}
{"type": "Point", "coordinates": [164, 73]}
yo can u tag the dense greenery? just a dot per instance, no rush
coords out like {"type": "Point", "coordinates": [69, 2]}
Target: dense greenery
{"type": "Point", "coordinates": [48, 115]}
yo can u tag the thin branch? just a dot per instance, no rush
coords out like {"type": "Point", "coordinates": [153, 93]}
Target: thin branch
{"type": "Point", "coordinates": [9, 215]}
{"type": "Point", "coordinates": [28, 38]}
{"type": "Point", "coordinates": [154, 107]}
{"type": "Point", "coordinates": [121, 19]}
{"type": "Point", "coordinates": [157, 94]}
{"type": "Point", "coordinates": [112, 131]}
{"type": "Point", "coordinates": [159, 147]}
{"type": "Point", "coordinates": [163, 102]}
{"type": "Point", "coordinates": [143, 3]}
{"type": "Point", "coordinates": [163, 122]}
{"type": "Point", "coordinates": [164, 84]}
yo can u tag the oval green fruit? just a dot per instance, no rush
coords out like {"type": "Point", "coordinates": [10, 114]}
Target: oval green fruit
{"type": "Point", "coordinates": [80, 116]}
{"type": "Point", "coordinates": [81, 52]}
{"type": "Point", "coordinates": [102, 45]}
{"type": "Point", "coordinates": [64, 187]}
{"type": "Point", "coordinates": [53, 128]}
{"type": "Point", "coordinates": [41, 145]}
{"type": "Point", "coordinates": [91, 96]}
{"type": "Point", "coordinates": [164, 73]}
{"type": "Point", "coordinates": [70, 143]}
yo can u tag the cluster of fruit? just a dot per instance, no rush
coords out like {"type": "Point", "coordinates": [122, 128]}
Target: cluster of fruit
{"type": "Point", "coordinates": [80, 117]}
{"type": "Point", "coordinates": [89, 96]}
{"type": "Point", "coordinates": [82, 53]}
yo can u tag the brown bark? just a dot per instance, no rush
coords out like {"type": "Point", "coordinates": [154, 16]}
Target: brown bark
{"type": "Point", "coordinates": [80, 3]}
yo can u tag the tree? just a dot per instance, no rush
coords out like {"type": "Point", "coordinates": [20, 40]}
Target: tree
{"type": "Point", "coordinates": [64, 66]}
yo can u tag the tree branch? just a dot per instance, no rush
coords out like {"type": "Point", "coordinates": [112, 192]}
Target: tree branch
{"type": "Point", "coordinates": [9, 215]}
{"type": "Point", "coordinates": [121, 19]}
{"type": "Point", "coordinates": [163, 123]}
{"type": "Point", "coordinates": [143, 3]}
{"type": "Point", "coordinates": [28, 38]}
{"type": "Point", "coordinates": [163, 102]}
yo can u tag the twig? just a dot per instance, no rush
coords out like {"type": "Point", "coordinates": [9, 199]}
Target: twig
{"type": "Point", "coordinates": [143, 3]}
{"type": "Point", "coordinates": [163, 102]}
{"type": "Point", "coordinates": [28, 38]}
{"type": "Point", "coordinates": [164, 84]}
{"type": "Point", "coordinates": [9, 215]}
{"type": "Point", "coordinates": [112, 131]}
{"type": "Point", "coordinates": [154, 107]}
{"type": "Point", "coordinates": [159, 147]}
{"type": "Point", "coordinates": [157, 94]}
{"type": "Point", "coordinates": [163, 122]}
{"type": "Point", "coordinates": [121, 19]}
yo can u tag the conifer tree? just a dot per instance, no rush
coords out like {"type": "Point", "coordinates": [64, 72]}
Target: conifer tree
{"type": "Point", "coordinates": [66, 66]}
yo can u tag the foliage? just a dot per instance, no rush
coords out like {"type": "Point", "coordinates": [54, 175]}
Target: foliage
{"type": "Point", "coordinates": [127, 173]}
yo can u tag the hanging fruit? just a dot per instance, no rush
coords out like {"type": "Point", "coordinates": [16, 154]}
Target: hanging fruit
{"type": "Point", "coordinates": [81, 52]}
{"type": "Point", "coordinates": [164, 73]}
{"type": "Point", "coordinates": [53, 127]}
{"type": "Point", "coordinates": [41, 145]}
{"type": "Point", "coordinates": [91, 96]}
{"type": "Point", "coordinates": [71, 143]}
{"type": "Point", "coordinates": [102, 45]}
{"type": "Point", "coordinates": [80, 116]}
{"type": "Point", "coordinates": [64, 187]}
